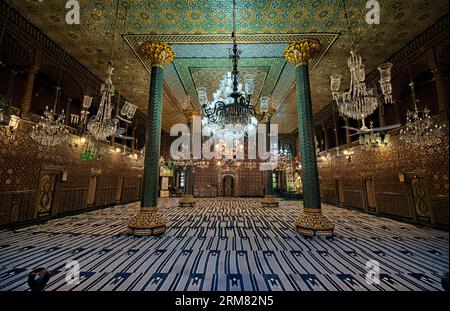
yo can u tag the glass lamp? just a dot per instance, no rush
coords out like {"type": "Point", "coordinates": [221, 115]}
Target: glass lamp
{"type": "Point", "coordinates": [14, 122]}
{"type": "Point", "coordinates": [87, 100]}
{"type": "Point", "coordinates": [264, 104]}
{"type": "Point", "coordinates": [249, 84]}
{"type": "Point", "coordinates": [202, 97]}
{"type": "Point", "coordinates": [335, 85]}
{"type": "Point", "coordinates": [385, 81]}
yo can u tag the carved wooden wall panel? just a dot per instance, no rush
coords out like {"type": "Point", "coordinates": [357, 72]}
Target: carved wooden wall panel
{"type": "Point", "coordinates": [248, 182]}
{"type": "Point", "coordinates": [384, 165]}
{"type": "Point", "coordinates": [46, 193]}
{"type": "Point", "coordinates": [21, 163]}
{"type": "Point", "coordinates": [396, 204]}
{"type": "Point", "coordinates": [353, 198]}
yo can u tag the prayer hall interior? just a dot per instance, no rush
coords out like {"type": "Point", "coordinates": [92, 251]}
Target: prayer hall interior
{"type": "Point", "coordinates": [227, 145]}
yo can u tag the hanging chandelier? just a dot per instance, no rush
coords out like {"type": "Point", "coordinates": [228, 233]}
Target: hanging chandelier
{"type": "Point", "coordinates": [284, 158]}
{"type": "Point", "coordinates": [251, 165]}
{"type": "Point", "coordinates": [373, 140]}
{"type": "Point", "coordinates": [50, 130]}
{"type": "Point", "coordinates": [102, 125]}
{"type": "Point", "coordinates": [128, 110]}
{"type": "Point", "coordinates": [359, 101]}
{"type": "Point", "coordinates": [9, 127]}
{"type": "Point", "coordinates": [232, 105]}
{"type": "Point", "coordinates": [183, 157]}
{"type": "Point", "coordinates": [420, 129]}
{"type": "Point", "coordinates": [201, 164]}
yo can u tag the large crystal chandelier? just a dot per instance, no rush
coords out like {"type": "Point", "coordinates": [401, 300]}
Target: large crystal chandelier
{"type": "Point", "coordinates": [420, 129]}
{"type": "Point", "coordinates": [360, 101]}
{"type": "Point", "coordinates": [183, 159]}
{"type": "Point", "coordinates": [284, 158]}
{"type": "Point", "coordinates": [229, 150]}
{"type": "Point", "coordinates": [50, 130]}
{"type": "Point", "coordinates": [102, 125]}
{"type": "Point", "coordinates": [231, 105]}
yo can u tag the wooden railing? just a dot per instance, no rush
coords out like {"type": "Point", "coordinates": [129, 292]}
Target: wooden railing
{"type": "Point", "coordinates": [105, 196]}
{"type": "Point", "coordinates": [328, 196]}
{"type": "Point", "coordinates": [392, 203]}
{"type": "Point", "coordinates": [353, 198]}
{"type": "Point", "coordinates": [72, 199]}
{"type": "Point", "coordinates": [130, 194]}
{"type": "Point", "coordinates": [17, 205]}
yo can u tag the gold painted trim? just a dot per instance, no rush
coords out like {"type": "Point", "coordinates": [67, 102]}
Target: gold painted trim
{"type": "Point", "coordinates": [148, 209]}
{"type": "Point", "coordinates": [312, 210]}
{"type": "Point", "coordinates": [275, 38]}
{"type": "Point", "coordinates": [301, 51]}
{"type": "Point", "coordinates": [157, 52]}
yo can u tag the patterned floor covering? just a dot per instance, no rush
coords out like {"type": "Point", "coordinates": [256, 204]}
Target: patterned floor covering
{"type": "Point", "coordinates": [222, 244]}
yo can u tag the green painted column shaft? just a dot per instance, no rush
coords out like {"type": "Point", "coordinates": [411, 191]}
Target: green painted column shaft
{"type": "Point", "coordinates": [310, 176]}
{"type": "Point", "coordinates": [268, 181]}
{"type": "Point", "coordinates": [153, 139]}
{"type": "Point", "coordinates": [188, 180]}
{"type": "Point", "coordinates": [188, 175]}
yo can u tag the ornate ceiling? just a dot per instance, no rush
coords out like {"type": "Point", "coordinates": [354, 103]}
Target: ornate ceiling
{"type": "Point", "coordinates": [203, 62]}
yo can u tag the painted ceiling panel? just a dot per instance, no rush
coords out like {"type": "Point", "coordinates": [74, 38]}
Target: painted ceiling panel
{"type": "Point", "coordinates": [91, 41]}
{"type": "Point", "coordinates": [208, 72]}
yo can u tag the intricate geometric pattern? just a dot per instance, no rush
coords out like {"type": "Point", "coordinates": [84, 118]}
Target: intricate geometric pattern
{"type": "Point", "coordinates": [310, 176]}
{"type": "Point", "coordinates": [228, 244]}
{"type": "Point", "coordinates": [265, 50]}
{"type": "Point", "coordinates": [153, 139]}
{"type": "Point", "coordinates": [384, 165]}
{"type": "Point", "coordinates": [401, 21]}
{"type": "Point", "coordinates": [195, 51]}
{"type": "Point", "coordinates": [147, 222]}
{"type": "Point", "coordinates": [22, 161]}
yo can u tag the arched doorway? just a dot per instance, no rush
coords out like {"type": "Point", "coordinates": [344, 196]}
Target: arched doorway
{"type": "Point", "coordinates": [228, 186]}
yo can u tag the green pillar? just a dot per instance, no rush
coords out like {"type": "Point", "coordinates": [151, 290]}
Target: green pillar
{"type": "Point", "coordinates": [311, 220]}
{"type": "Point", "coordinates": [188, 199]}
{"type": "Point", "coordinates": [269, 200]}
{"type": "Point", "coordinates": [188, 181]}
{"type": "Point", "coordinates": [153, 140]}
{"type": "Point", "coordinates": [149, 221]}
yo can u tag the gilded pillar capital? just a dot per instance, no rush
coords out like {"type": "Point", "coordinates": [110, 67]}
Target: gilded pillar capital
{"type": "Point", "coordinates": [301, 52]}
{"type": "Point", "coordinates": [159, 53]}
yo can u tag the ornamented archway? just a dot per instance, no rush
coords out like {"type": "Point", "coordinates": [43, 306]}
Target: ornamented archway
{"type": "Point", "coordinates": [228, 184]}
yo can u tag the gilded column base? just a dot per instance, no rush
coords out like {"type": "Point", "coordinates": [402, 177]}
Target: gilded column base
{"type": "Point", "coordinates": [269, 201]}
{"type": "Point", "coordinates": [187, 201]}
{"type": "Point", "coordinates": [312, 222]}
{"type": "Point", "coordinates": [147, 222]}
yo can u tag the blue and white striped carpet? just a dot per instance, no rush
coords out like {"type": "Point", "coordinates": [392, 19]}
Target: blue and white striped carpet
{"type": "Point", "coordinates": [220, 244]}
